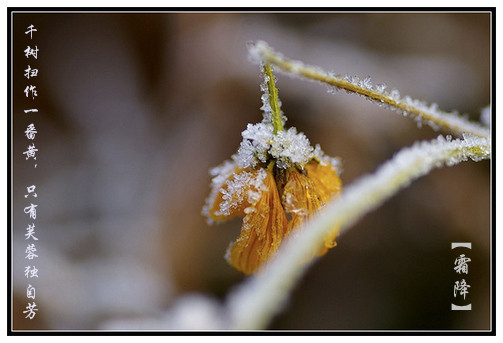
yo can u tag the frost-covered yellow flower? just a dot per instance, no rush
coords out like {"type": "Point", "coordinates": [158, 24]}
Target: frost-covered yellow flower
{"type": "Point", "coordinates": [276, 181]}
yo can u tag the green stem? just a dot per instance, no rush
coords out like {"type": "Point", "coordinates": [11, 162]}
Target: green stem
{"type": "Point", "coordinates": [273, 100]}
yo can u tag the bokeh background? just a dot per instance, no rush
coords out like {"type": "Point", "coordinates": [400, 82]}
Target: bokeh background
{"type": "Point", "coordinates": [135, 108]}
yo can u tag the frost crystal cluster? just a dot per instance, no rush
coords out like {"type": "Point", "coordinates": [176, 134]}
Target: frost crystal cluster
{"type": "Point", "coordinates": [260, 144]}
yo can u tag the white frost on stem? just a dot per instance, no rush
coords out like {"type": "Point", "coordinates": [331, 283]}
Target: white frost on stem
{"type": "Point", "coordinates": [254, 303]}
{"type": "Point", "coordinates": [422, 113]}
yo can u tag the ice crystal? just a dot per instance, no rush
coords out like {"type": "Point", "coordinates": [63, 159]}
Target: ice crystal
{"type": "Point", "coordinates": [260, 144]}
{"type": "Point", "coordinates": [380, 88]}
{"type": "Point", "coordinates": [256, 50]}
{"type": "Point", "coordinates": [324, 159]}
{"type": "Point", "coordinates": [291, 147]}
{"type": "Point", "coordinates": [256, 142]}
{"type": "Point", "coordinates": [235, 193]}
{"type": "Point", "coordinates": [366, 83]}
{"type": "Point", "coordinates": [394, 94]}
{"type": "Point", "coordinates": [219, 175]}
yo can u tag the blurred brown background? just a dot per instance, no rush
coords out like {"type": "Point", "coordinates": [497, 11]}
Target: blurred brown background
{"type": "Point", "coordinates": [135, 108]}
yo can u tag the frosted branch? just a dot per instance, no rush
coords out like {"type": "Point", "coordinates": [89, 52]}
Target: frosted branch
{"type": "Point", "coordinates": [271, 96]}
{"type": "Point", "coordinates": [261, 52]}
{"type": "Point", "coordinates": [253, 305]}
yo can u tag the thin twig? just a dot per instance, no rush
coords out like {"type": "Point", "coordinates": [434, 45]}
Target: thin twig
{"type": "Point", "coordinates": [430, 115]}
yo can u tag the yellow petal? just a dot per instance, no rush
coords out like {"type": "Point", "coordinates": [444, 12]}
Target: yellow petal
{"type": "Point", "coordinates": [325, 179]}
{"type": "Point", "coordinates": [300, 195]}
{"type": "Point", "coordinates": [239, 191]}
{"type": "Point", "coordinates": [329, 185]}
{"type": "Point", "coordinates": [307, 192]}
{"type": "Point", "coordinates": [264, 227]}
